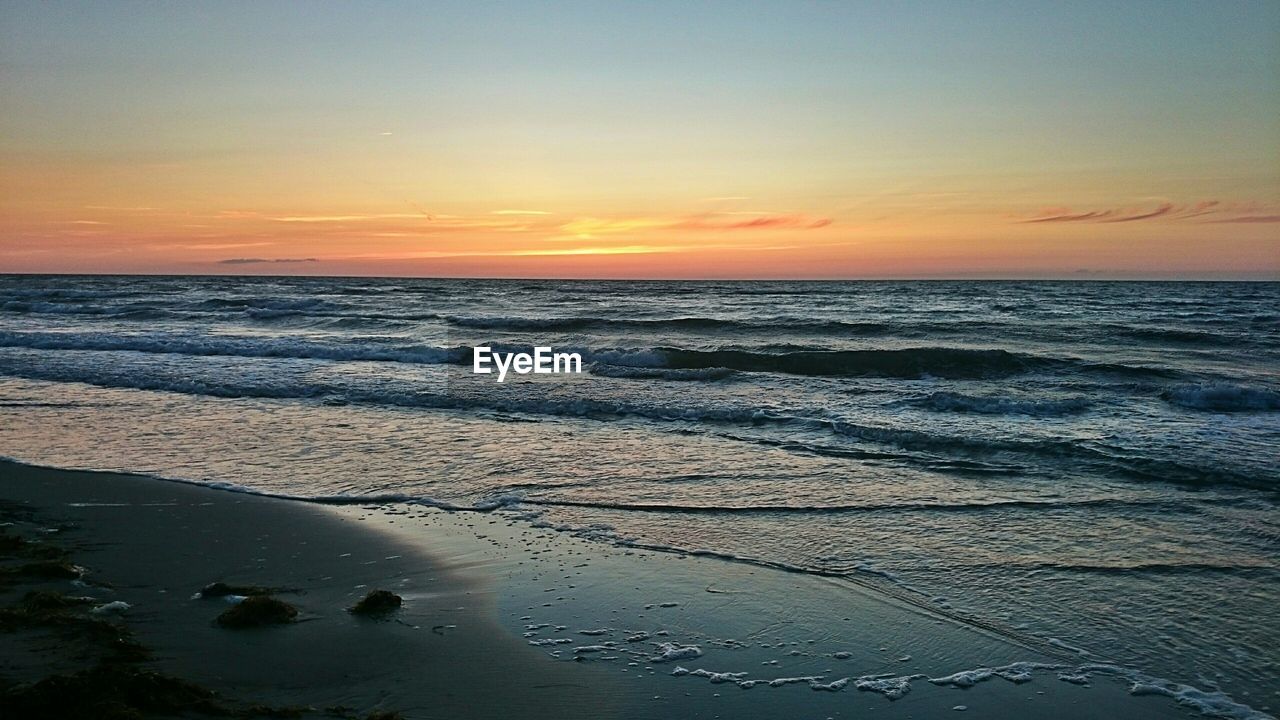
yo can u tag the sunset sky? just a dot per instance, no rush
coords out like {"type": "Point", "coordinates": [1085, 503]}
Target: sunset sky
{"type": "Point", "coordinates": [788, 139]}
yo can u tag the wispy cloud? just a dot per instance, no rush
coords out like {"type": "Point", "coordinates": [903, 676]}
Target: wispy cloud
{"type": "Point", "coordinates": [260, 261]}
{"type": "Point", "coordinates": [521, 220]}
{"type": "Point", "coordinates": [596, 226]}
{"type": "Point", "coordinates": [799, 222]}
{"type": "Point", "coordinates": [346, 218]}
{"type": "Point", "coordinates": [1161, 211]}
{"type": "Point", "coordinates": [207, 245]}
{"type": "Point", "coordinates": [1212, 210]}
{"type": "Point", "coordinates": [1251, 219]}
{"type": "Point", "coordinates": [578, 251]}
{"type": "Point", "coordinates": [1065, 215]}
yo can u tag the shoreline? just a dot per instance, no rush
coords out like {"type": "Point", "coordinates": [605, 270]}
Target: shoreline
{"type": "Point", "coordinates": [481, 590]}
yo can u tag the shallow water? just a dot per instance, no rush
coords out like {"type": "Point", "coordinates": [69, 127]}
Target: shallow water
{"type": "Point", "coordinates": [1091, 465]}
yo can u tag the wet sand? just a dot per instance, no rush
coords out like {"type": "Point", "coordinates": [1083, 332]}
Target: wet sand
{"type": "Point", "coordinates": [479, 588]}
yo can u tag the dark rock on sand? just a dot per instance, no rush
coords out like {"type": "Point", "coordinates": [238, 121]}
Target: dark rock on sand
{"type": "Point", "coordinates": [377, 602]}
{"type": "Point", "coordinates": [258, 610]}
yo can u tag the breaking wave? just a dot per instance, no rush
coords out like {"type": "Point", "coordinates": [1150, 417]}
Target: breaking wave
{"type": "Point", "coordinates": [960, 402]}
{"type": "Point", "coordinates": [1223, 397]}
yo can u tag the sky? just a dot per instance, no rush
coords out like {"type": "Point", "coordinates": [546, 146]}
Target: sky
{"type": "Point", "coordinates": [642, 139]}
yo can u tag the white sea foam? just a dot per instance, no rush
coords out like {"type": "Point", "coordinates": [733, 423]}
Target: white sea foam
{"type": "Point", "coordinates": [115, 607]}
{"type": "Point", "coordinates": [833, 686]}
{"type": "Point", "coordinates": [1213, 703]}
{"type": "Point", "coordinates": [892, 687]}
{"type": "Point", "coordinates": [668, 652]}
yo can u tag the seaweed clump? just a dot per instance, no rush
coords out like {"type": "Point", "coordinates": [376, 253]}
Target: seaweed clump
{"type": "Point", "coordinates": [256, 611]}
{"type": "Point", "coordinates": [377, 602]}
{"type": "Point", "coordinates": [110, 692]}
{"type": "Point", "coordinates": [346, 713]}
{"type": "Point", "coordinates": [46, 600]}
{"type": "Point", "coordinates": [48, 569]}
{"type": "Point", "coordinates": [54, 611]}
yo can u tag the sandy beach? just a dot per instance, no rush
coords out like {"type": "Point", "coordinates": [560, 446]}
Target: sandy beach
{"type": "Point", "coordinates": [155, 544]}
{"type": "Point", "coordinates": [479, 591]}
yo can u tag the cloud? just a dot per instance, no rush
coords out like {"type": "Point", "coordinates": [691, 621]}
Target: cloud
{"type": "Point", "coordinates": [521, 220]}
{"type": "Point", "coordinates": [346, 218]}
{"type": "Point", "coordinates": [1214, 210]}
{"type": "Point", "coordinates": [799, 222]}
{"type": "Point", "coordinates": [207, 245]}
{"type": "Point", "coordinates": [585, 250]}
{"type": "Point", "coordinates": [597, 226]}
{"type": "Point", "coordinates": [1064, 215]}
{"type": "Point", "coordinates": [1251, 219]}
{"type": "Point", "coordinates": [1161, 211]}
{"type": "Point", "coordinates": [258, 261]}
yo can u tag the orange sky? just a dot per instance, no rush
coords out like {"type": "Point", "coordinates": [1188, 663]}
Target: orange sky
{"type": "Point", "coordinates": [550, 143]}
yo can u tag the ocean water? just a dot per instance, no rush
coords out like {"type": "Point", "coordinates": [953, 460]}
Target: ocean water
{"type": "Point", "coordinates": [1090, 466]}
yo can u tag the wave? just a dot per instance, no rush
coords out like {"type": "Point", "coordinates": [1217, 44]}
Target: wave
{"type": "Point", "coordinates": [67, 294]}
{"type": "Point", "coordinates": [1223, 397]}
{"type": "Point", "coordinates": [645, 373]}
{"type": "Point", "coordinates": [944, 452]}
{"type": "Point", "coordinates": [790, 324]}
{"type": "Point", "coordinates": [259, 310]}
{"type": "Point", "coordinates": [902, 507]}
{"type": "Point", "coordinates": [1171, 568]}
{"type": "Point", "coordinates": [1168, 335]}
{"type": "Point", "coordinates": [898, 363]}
{"type": "Point", "coordinates": [265, 303]}
{"type": "Point", "coordinates": [52, 308]}
{"type": "Point", "coordinates": [124, 312]}
{"type": "Point", "coordinates": [1100, 457]}
{"type": "Point", "coordinates": [904, 363]}
{"type": "Point", "coordinates": [951, 363]}
{"type": "Point", "coordinates": [960, 402]}
{"type": "Point", "coordinates": [213, 345]}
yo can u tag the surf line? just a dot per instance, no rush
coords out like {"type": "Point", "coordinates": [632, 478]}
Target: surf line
{"type": "Point", "coordinates": [543, 361]}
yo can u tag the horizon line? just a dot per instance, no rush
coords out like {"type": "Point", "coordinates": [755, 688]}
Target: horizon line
{"type": "Point", "coordinates": [1080, 277]}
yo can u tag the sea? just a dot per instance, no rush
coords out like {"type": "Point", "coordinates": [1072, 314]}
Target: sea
{"type": "Point", "coordinates": [1089, 465]}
